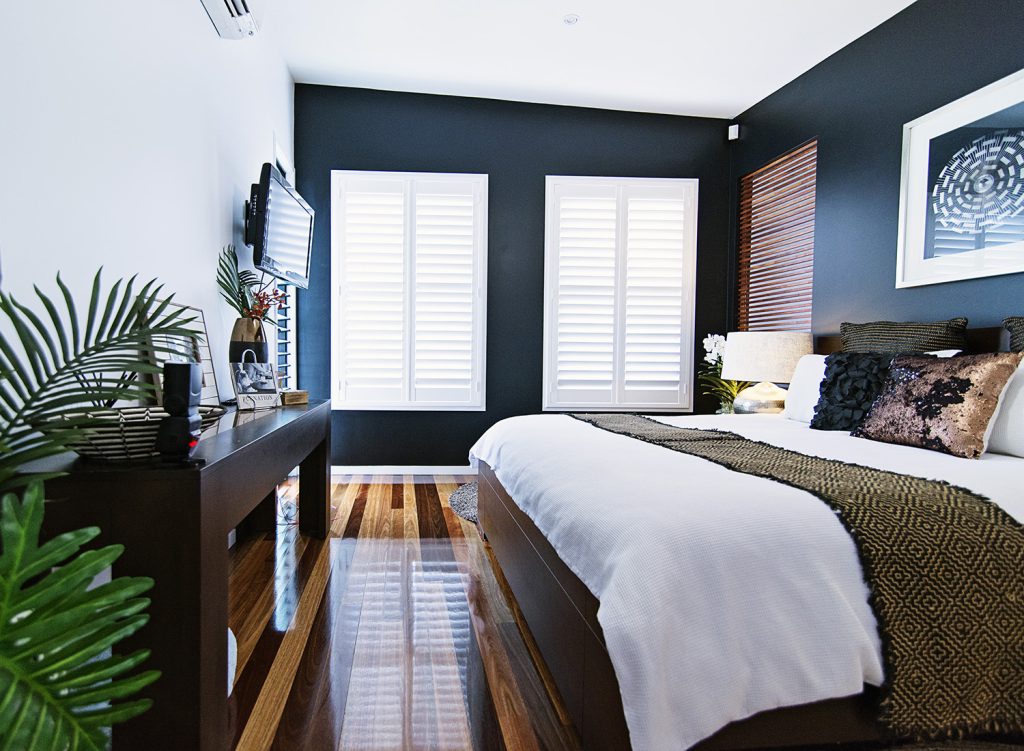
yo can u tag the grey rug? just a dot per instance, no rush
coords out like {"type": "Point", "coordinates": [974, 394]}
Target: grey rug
{"type": "Point", "coordinates": [463, 501]}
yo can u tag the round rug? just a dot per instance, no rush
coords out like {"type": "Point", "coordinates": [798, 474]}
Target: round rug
{"type": "Point", "coordinates": [463, 501]}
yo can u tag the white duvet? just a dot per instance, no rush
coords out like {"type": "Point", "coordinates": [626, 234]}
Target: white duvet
{"type": "Point", "coordinates": [722, 594]}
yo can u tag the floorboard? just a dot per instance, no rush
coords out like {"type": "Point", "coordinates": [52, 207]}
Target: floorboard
{"type": "Point", "coordinates": [394, 633]}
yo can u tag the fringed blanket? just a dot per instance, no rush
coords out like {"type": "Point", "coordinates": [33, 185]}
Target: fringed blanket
{"type": "Point", "coordinates": [944, 566]}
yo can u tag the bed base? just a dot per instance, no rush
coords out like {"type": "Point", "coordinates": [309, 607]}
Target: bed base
{"type": "Point", "coordinates": [561, 614]}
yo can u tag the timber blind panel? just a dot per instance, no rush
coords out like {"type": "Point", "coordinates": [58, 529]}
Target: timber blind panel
{"type": "Point", "coordinates": [776, 243]}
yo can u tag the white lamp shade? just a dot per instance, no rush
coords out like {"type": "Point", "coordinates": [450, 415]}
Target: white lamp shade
{"type": "Point", "coordinates": [764, 355]}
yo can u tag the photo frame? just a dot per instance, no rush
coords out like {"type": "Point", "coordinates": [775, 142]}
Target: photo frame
{"type": "Point", "coordinates": [255, 385]}
{"type": "Point", "coordinates": [188, 349]}
{"type": "Point", "coordinates": [962, 189]}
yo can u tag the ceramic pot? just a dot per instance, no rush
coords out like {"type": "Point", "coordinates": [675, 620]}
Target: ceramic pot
{"type": "Point", "coordinates": [248, 334]}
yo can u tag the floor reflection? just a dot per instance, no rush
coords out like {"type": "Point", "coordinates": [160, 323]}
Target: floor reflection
{"type": "Point", "coordinates": [413, 640]}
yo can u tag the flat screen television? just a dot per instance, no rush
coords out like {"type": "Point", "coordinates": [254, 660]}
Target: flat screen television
{"type": "Point", "coordinates": [279, 227]}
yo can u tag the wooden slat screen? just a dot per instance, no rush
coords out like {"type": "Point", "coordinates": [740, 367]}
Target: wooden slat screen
{"type": "Point", "coordinates": [776, 243]}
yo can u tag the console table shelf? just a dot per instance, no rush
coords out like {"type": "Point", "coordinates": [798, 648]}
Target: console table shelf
{"type": "Point", "coordinates": [174, 524]}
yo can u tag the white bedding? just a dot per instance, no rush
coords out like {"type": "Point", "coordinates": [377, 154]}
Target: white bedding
{"type": "Point", "coordinates": [722, 594]}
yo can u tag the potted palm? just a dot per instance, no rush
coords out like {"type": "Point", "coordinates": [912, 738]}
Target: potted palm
{"type": "Point", "coordinates": [63, 683]}
{"type": "Point", "coordinates": [253, 301]}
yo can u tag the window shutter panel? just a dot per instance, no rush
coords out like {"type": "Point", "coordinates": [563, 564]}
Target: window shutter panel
{"type": "Point", "coordinates": [372, 293]}
{"type": "Point", "coordinates": [619, 261]}
{"type": "Point", "coordinates": [585, 293]}
{"type": "Point", "coordinates": [443, 316]}
{"type": "Point", "coordinates": [410, 269]}
{"type": "Point", "coordinates": [776, 243]}
{"type": "Point", "coordinates": [654, 297]}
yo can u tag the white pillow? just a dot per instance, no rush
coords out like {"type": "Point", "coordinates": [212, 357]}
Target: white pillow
{"type": "Point", "coordinates": [1007, 429]}
{"type": "Point", "coordinates": [805, 388]}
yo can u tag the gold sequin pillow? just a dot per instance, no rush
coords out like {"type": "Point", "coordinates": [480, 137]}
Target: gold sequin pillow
{"type": "Point", "coordinates": [944, 405]}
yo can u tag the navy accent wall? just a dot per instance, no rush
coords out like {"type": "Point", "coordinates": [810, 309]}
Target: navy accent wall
{"type": "Point", "coordinates": [856, 103]}
{"type": "Point", "coordinates": [516, 145]}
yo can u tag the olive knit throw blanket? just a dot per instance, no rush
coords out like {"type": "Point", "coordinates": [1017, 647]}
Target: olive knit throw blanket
{"type": "Point", "coordinates": [945, 570]}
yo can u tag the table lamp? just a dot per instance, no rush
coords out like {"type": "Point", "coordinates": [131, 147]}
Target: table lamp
{"type": "Point", "coordinates": [767, 357]}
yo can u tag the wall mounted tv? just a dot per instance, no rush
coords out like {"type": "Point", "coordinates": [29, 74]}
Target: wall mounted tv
{"type": "Point", "coordinates": [279, 227]}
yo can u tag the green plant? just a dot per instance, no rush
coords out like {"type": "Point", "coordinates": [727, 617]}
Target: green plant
{"type": "Point", "coordinates": [58, 687]}
{"type": "Point", "coordinates": [236, 286]}
{"type": "Point", "coordinates": [709, 373]}
{"type": "Point", "coordinates": [57, 362]}
{"type": "Point", "coordinates": [243, 290]}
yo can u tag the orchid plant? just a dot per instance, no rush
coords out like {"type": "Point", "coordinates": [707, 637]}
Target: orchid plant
{"type": "Point", "coordinates": [709, 373]}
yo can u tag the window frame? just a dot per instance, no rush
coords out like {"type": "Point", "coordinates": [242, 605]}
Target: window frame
{"type": "Point", "coordinates": [590, 185]}
{"type": "Point", "coordinates": [480, 249]}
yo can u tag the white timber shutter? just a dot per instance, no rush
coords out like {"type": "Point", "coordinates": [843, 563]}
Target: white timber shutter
{"type": "Point", "coordinates": [620, 256]}
{"type": "Point", "coordinates": [409, 265]}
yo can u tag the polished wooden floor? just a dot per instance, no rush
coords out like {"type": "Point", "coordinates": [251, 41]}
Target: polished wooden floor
{"type": "Point", "coordinates": [394, 633]}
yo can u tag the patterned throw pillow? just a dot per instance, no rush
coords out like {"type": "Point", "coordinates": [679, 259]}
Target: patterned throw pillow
{"type": "Point", "coordinates": [1015, 325]}
{"type": "Point", "coordinates": [852, 382]}
{"type": "Point", "coordinates": [940, 404]}
{"type": "Point", "coordinates": [892, 337]}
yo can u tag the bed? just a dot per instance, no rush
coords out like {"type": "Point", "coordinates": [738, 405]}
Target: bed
{"type": "Point", "coordinates": [601, 536]}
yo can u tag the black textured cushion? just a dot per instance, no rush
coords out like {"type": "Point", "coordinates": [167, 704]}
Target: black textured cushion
{"type": "Point", "coordinates": [1015, 325]}
{"type": "Point", "coordinates": [894, 338]}
{"type": "Point", "coordinates": [852, 382]}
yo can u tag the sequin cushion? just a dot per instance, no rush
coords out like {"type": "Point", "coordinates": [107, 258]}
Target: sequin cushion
{"type": "Point", "coordinates": [940, 404]}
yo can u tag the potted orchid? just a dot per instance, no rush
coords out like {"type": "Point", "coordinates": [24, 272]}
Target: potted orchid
{"type": "Point", "coordinates": [709, 373]}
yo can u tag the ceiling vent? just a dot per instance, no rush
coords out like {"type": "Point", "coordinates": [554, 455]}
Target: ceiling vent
{"type": "Point", "coordinates": [233, 19]}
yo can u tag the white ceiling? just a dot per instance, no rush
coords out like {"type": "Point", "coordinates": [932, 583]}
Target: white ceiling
{"type": "Point", "coordinates": [711, 58]}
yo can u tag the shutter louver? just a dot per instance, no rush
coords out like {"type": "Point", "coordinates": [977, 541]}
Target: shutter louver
{"type": "Point", "coordinates": [654, 300]}
{"type": "Point", "coordinates": [410, 261]}
{"type": "Point", "coordinates": [776, 243]}
{"type": "Point", "coordinates": [618, 323]}
{"type": "Point", "coordinates": [585, 310]}
{"type": "Point", "coordinates": [443, 317]}
{"type": "Point", "coordinates": [373, 296]}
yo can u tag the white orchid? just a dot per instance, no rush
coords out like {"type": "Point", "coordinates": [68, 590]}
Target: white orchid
{"type": "Point", "coordinates": [710, 375]}
{"type": "Point", "coordinates": [714, 346]}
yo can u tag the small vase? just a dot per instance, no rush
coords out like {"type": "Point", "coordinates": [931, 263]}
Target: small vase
{"type": "Point", "coordinates": [248, 334]}
{"type": "Point", "coordinates": [725, 408]}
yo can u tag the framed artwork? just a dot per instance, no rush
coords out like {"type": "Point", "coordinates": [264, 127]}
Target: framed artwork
{"type": "Point", "coordinates": [255, 385]}
{"type": "Point", "coordinates": [962, 188]}
{"type": "Point", "coordinates": [189, 349]}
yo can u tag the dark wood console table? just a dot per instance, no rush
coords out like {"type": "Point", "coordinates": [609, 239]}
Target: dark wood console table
{"type": "Point", "coordinates": [174, 524]}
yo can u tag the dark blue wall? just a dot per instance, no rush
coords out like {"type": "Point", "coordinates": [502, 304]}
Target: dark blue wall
{"type": "Point", "coordinates": [516, 145]}
{"type": "Point", "coordinates": [856, 103]}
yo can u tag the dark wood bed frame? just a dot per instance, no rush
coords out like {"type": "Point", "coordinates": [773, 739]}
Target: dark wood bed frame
{"type": "Point", "coordinates": [561, 615]}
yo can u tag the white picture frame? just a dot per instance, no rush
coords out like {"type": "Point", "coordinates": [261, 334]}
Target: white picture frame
{"type": "Point", "coordinates": [958, 221]}
{"type": "Point", "coordinates": [255, 385]}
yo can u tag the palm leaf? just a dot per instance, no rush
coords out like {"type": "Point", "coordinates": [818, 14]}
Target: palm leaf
{"type": "Point", "coordinates": [58, 687]}
{"type": "Point", "coordinates": [56, 361]}
{"type": "Point", "coordinates": [235, 285]}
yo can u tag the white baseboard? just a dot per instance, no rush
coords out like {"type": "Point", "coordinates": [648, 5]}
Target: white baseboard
{"type": "Point", "coordinates": [403, 469]}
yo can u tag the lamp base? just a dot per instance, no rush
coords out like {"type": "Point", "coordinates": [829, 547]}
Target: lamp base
{"type": "Point", "coordinates": [762, 399]}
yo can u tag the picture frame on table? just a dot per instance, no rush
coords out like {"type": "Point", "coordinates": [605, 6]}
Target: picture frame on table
{"type": "Point", "coordinates": [962, 188]}
{"type": "Point", "coordinates": [255, 385]}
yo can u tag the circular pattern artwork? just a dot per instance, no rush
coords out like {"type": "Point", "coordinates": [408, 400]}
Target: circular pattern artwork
{"type": "Point", "coordinates": [982, 185]}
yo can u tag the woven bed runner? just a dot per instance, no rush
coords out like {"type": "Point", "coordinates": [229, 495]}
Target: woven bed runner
{"type": "Point", "coordinates": [945, 570]}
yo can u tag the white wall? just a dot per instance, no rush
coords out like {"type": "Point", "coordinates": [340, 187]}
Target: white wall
{"type": "Point", "coordinates": [130, 133]}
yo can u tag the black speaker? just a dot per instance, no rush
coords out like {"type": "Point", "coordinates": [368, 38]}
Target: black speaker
{"type": "Point", "coordinates": [179, 431]}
